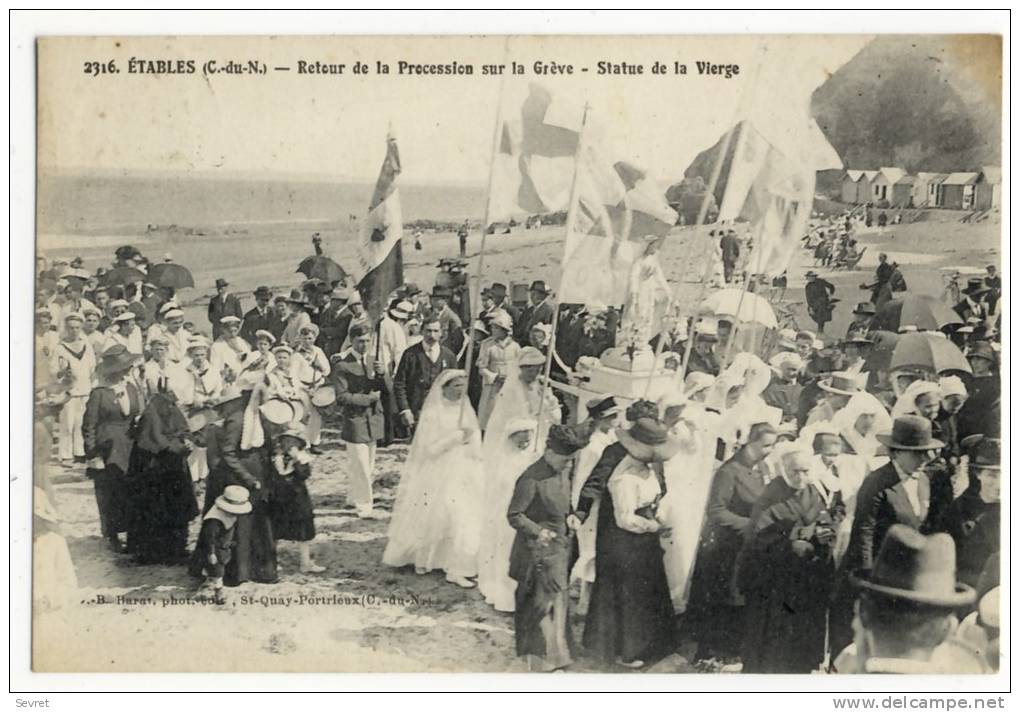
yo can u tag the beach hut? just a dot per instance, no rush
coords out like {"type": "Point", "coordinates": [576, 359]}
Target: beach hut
{"type": "Point", "coordinates": [956, 192]}
{"type": "Point", "coordinates": [903, 192]}
{"type": "Point", "coordinates": [882, 184]}
{"type": "Point", "coordinates": [919, 191]}
{"type": "Point", "coordinates": [933, 196]}
{"type": "Point", "coordinates": [988, 192]}
{"type": "Point", "coordinates": [864, 187]}
{"type": "Point", "coordinates": [848, 186]}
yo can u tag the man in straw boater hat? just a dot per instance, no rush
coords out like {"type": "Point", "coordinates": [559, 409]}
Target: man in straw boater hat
{"type": "Point", "coordinates": [906, 605]}
{"type": "Point", "coordinates": [630, 617]}
{"type": "Point", "coordinates": [214, 548]}
{"type": "Point", "coordinates": [260, 316]}
{"type": "Point", "coordinates": [897, 493]}
{"type": "Point", "coordinates": [112, 408]}
{"type": "Point", "coordinates": [539, 559]}
{"type": "Point", "coordinates": [222, 304]}
{"type": "Point", "coordinates": [838, 388]}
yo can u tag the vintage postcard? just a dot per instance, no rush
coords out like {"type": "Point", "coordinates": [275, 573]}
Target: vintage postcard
{"type": "Point", "coordinates": [664, 354]}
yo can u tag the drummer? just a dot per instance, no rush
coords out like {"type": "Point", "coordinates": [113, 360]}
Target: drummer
{"type": "Point", "coordinates": [201, 391]}
{"type": "Point", "coordinates": [261, 359]}
{"type": "Point", "coordinates": [313, 378]}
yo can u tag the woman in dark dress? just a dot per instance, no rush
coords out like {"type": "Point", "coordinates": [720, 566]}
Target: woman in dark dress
{"type": "Point", "coordinates": [110, 413]}
{"type": "Point", "coordinates": [161, 491]}
{"type": "Point", "coordinates": [291, 511]}
{"type": "Point", "coordinates": [630, 617]}
{"type": "Point", "coordinates": [235, 459]}
{"type": "Point", "coordinates": [716, 606]}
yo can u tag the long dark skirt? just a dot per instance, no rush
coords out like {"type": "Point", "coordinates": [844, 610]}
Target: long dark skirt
{"type": "Point", "coordinates": [540, 608]}
{"type": "Point", "coordinates": [254, 544]}
{"type": "Point", "coordinates": [163, 503]}
{"type": "Point", "coordinates": [715, 614]}
{"type": "Point", "coordinates": [112, 499]}
{"type": "Point", "coordinates": [291, 510]}
{"type": "Point", "coordinates": [630, 615]}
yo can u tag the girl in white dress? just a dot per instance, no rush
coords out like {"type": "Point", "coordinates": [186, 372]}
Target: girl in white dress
{"type": "Point", "coordinates": [436, 519]}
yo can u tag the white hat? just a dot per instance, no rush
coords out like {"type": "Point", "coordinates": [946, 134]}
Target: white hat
{"type": "Point", "coordinates": [74, 316]}
{"type": "Point", "coordinates": [235, 499]}
{"type": "Point", "coordinates": [197, 342]}
{"type": "Point", "coordinates": [521, 425]}
{"type": "Point", "coordinates": [169, 306]}
{"type": "Point", "coordinates": [173, 313]}
{"type": "Point", "coordinates": [530, 356]}
{"type": "Point", "coordinates": [784, 357]}
{"type": "Point", "coordinates": [402, 310]}
{"type": "Point", "coordinates": [230, 320]}
{"type": "Point", "coordinates": [502, 319]}
{"type": "Point", "coordinates": [696, 382]}
{"type": "Point", "coordinates": [951, 386]}
{"type": "Point", "coordinates": [355, 298]}
{"type": "Point", "coordinates": [126, 316]}
{"type": "Point", "coordinates": [119, 303]}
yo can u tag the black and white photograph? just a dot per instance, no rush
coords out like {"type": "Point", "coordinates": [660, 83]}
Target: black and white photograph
{"type": "Point", "coordinates": [673, 354]}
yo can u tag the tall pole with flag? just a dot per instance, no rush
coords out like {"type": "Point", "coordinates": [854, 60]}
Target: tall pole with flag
{"type": "Point", "coordinates": [379, 268]}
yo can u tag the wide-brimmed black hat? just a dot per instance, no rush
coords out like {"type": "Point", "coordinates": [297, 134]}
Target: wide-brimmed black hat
{"type": "Point", "coordinates": [976, 285]}
{"type": "Point", "coordinates": [263, 292]}
{"type": "Point", "coordinates": [914, 568]}
{"type": "Point", "coordinates": [220, 282]}
{"type": "Point", "coordinates": [538, 286]}
{"type": "Point", "coordinates": [566, 439]}
{"type": "Point", "coordinates": [116, 359]}
{"type": "Point", "coordinates": [982, 349]}
{"type": "Point", "coordinates": [910, 432]}
{"type": "Point", "coordinates": [985, 452]}
{"type": "Point", "coordinates": [865, 308]}
{"type": "Point", "coordinates": [648, 440]}
{"type": "Point", "coordinates": [496, 291]}
{"type": "Point", "coordinates": [443, 292]}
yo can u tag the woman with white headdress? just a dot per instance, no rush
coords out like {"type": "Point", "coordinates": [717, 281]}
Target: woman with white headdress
{"type": "Point", "coordinates": [919, 398]}
{"type": "Point", "coordinates": [858, 423]}
{"type": "Point", "coordinates": [688, 476]}
{"type": "Point", "coordinates": [436, 520]}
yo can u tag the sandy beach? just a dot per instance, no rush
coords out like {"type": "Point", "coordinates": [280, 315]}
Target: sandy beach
{"type": "Point", "coordinates": [360, 615]}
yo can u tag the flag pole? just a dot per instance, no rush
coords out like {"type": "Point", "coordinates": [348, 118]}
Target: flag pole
{"type": "Point", "coordinates": [485, 221]}
{"type": "Point", "coordinates": [571, 220]}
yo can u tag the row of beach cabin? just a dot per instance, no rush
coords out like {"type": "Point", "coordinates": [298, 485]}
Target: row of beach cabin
{"type": "Point", "coordinates": [895, 188]}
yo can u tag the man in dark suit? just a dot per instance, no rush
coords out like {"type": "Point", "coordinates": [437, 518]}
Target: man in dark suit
{"type": "Point", "coordinates": [359, 387]}
{"type": "Point", "coordinates": [974, 303]}
{"type": "Point", "coordinates": [261, 317]}
{"type": "Point", "coordinates": [449, 322]}
{"type": "Point", "coordinates": [538, 311]}
{"type": "Point", "coordinates": [819, 292]}
{"type": "Point", "coordinates": [221, 305]}
{"type": "Point", "coordinates": [729, 244]}
{"type": "Point", "coordinates": [419, 367]}
{"type": "Point", "coordinates": [880, 289]}
{"type": "Point", "coordinates": [334, 323]}
{"type": "Point", "coordinates": [278, 319]}
{"type": "Point", "coordinates": [900, 492]}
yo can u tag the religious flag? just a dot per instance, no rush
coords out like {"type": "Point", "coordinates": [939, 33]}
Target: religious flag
{"type": "Point", "coordinates": [618, 202]}
{"type": "Point", "coordinates": [771, 181]}
{"type": "Point", "coordinates": [379, 268]}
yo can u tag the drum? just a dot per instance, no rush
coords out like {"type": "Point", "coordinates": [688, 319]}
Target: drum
{"type": "Point", "coordinates": [324, 396]}
{"type": "Point", "coordinates": [277, 411]}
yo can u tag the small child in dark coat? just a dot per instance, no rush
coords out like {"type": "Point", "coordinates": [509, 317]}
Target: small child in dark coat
{"type": "Point", "coordinates": [216, 538]}
{"type": "Point", "coordinates": [292, 513]}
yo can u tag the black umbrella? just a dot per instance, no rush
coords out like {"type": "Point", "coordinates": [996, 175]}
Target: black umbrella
{"type": "Point", "coordinates": [322, 267]}
{"type": "Point", "coordinates": [168, 274]}
{"type": "Point", "coordinates": [123, 275]}
{"type": "Point", "coordinates": [925, 312]}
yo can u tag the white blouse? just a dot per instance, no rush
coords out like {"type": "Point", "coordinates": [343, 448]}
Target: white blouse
{"type": "Point", "coordinates": [633, 485]}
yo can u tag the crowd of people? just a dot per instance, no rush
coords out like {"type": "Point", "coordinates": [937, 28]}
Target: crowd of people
{"type": "Point", "coordinates": [797, 507]}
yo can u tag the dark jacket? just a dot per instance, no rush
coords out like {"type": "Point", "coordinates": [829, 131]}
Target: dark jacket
{"type": "Point", "coordinates": [253, 321]}
{"type": "Point", "coordinates": [334, 323]}
{"type": "Point", "coordinates": [783, 395]}
{"type": "Point", "coordinates": [595, 485]}
{"type": "Point", "coordinates": [541, 500]}
{"type": "Point", "coordinates": [229, 464]}
{"type": "Point", "coordinates": [703, 364]}
{"type": "Point", "coordinates": [416, 374]}
{"type": "Point", "coordinates": [107, 432]}
{"type": "Point", "coordinates": [530, 316]}
{"type": "Point", "coordinates": [730, 246]}
{"type": "Point", "coordinates": [353, 378]}
{"type": "Point", "coordinates": [453, 329]}
{"type": "Point", "coordinates": [219, 308]}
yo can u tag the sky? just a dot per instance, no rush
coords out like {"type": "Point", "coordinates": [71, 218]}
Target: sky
{"type": "Point", "coordinates": [329, 126]}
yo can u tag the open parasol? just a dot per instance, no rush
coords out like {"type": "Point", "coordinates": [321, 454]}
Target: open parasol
{"type": "Point", "coordinates": [925, 312]}
{"type": "Point", "coordinates": [929, 351]}
{"type": "Point", "coordinates": [322, 267]}
{"type": "Point", "coordinates": [123, 275]}
{"type": "Point", "coordinates": [740, 306]}
{"type": "Point", "coordinates": [168, 274]}
{"type": "Point", "coordinates": [880, 355]}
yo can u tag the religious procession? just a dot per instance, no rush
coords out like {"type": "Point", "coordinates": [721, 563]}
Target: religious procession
{"type": "Point", "coordinates": [658, 461]}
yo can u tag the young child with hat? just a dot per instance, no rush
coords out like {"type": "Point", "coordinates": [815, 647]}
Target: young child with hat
{"type": "Point", "coordinates": [214, 547]}
{"type": "Point", "coordinates": [291, 506]}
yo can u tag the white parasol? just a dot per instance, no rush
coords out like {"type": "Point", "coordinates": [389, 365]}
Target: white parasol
{"type": "Point", "coordinates": [740, 306]}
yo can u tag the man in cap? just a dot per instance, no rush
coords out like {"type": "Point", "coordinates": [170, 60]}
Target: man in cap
{"type": "Point", "coordinates": [170, 327]}
{"type": "Point", "coordinates": [419, 367]}
{"type": "Point", "coordinates": [703, 358]}
{"type": "Point", "coordinates": [359, 393]}
{"type": "Point", "coordinates": [74, 364]}
{"type": "Point", "coordinates": [68, 299]}
{"type": "Point", "coordinates": [221, 305]}
{"type": "Point", "coordinates": [818, 293]}
{"type": "Point", "coordinates": [260, 317]}
{"type": "Point", "coordinates": [906, 604]}
{"type": "Point", "coordinates": [729, 245]}
{"type": "Point", "coordinates": [538, 311]}
{"type": "Point", "coordinates": [449, 321]}
{"type": "Point", "coordinates": [297, 318]}
{"type": "Point", "coordinates": [980, 414]}
{"type": "Point", "coordinates": [92, 330]}
{"type": "Point", "coordinates": [125, 331]}
{"type": "Point", "coordinates": [334, 323]}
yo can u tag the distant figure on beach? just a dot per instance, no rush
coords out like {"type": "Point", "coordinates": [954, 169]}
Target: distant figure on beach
{"type": "Point", "coordinates": [462, 235]}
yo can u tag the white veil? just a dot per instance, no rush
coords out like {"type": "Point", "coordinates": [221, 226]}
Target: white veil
{"type": "Point", "coordinates": [439, 418]}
